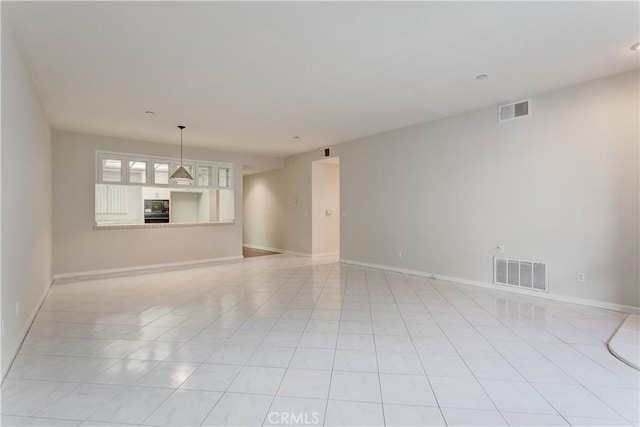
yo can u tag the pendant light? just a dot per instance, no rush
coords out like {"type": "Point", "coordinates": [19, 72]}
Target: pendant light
{"type": "Point", "coordinates": [181, 174]}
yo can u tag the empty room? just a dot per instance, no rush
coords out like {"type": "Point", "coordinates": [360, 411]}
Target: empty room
{"type": "Point", "coordinates": [320, 213]}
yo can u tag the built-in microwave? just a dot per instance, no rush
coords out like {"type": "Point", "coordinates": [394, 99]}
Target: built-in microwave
{"type": "Point", "coordinates": [156, 210]}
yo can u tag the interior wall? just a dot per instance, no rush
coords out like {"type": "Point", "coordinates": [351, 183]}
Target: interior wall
{"type": "Point", "coordinates": [78, 247]}
{"type": "Point", "coordinates": [560, 186]}
{"type": "Point", "coordinates": [277, 207]}
{"type": "Point", "coordinates": [265, 210]}
{"type": "Point", "coordinates": [26, 199]}
{"type": "Point", "coordinates": [325, 208]}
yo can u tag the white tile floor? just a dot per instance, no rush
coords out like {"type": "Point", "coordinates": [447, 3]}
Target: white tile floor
{"type": "Point", "coordinates": [291, 341]}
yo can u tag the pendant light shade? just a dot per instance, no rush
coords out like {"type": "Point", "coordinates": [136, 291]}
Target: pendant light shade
{"type": "Point", "coordinates": [181, 174]}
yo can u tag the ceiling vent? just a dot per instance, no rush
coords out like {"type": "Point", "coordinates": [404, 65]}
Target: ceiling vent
{"type": "Point", "coordinates": [520, 273]}
{"type": "Point", "coordinates": [515, 110]}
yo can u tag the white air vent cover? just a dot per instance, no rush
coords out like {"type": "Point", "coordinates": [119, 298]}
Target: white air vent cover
{"type": "Point", "coordinates": [514, 110]}
{"type": "Point", "coordinates": [521, 273]}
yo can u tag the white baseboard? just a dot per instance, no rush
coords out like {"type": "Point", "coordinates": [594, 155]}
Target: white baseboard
{"type": "Point", "coordinates": [326, 254]}
{"type": "Point", "coordinates": [25, 330]}
{"type": "Point", "coordinates": [551, 296]}
{"type": "Point", "coordinates": [302, 254]}
{"type": "Point", "coordinates": [144, 267]}
{"type": "Point", "coordinates": [283, 251]}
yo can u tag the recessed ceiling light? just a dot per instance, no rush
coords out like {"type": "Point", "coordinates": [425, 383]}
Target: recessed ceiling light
{"type": "Point", "coordinates": [150, 113]}
{"type": "Point", "coordinates": [481, 76]}
{"type": "Point", "coordinates": [636, 46]}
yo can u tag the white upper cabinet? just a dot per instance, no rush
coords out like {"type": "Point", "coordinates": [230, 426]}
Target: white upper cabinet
{"type": "Point", "coordinates": [130, 169]}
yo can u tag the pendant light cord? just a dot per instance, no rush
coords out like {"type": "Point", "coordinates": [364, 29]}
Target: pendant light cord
{"type": "Point", "coordinates": [181, 174]}
{"type": "Point", "coordinates": [181, 127]}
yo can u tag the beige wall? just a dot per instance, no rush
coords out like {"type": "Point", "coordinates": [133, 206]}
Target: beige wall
{"type": "Point", "coordinates": [325, 194]}
{"type": "Point", "coordinates": [277, 206]}
{"type": "Point", "coordinates": [78, 247]}
{"type": "Point", "coordinates": [560, 186]}
{"type": "Point", "coordinates": [26, 199]}
{"type": "Point", "coordinates": [265, 204]}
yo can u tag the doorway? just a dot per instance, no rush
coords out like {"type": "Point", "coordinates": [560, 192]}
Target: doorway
{"type": "Point", "coordinates": [325, 207]}
{"type": "Point", "coordinates": [261, 212]}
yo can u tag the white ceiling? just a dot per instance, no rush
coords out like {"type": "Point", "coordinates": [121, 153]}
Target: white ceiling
{"type": "Point", "coordinates": [248, 76]}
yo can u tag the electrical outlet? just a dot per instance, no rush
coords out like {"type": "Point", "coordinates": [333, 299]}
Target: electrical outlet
{"type": "Point", "coordinates": [344, 213]}
{"type": "Point", "coordinates": [399, 254]}
{"type": "Point", "coordinates": [580, 276]}
{"type": "Point", "coordinates": [500, 249]}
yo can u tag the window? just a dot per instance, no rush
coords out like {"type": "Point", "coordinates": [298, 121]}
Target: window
{"type": "Point", "coordinates": [137, 172]}
{"type": "Point", "coordinates": [205, 176]}
{"type": "Point", "coordinates": [224, 177]}
{"type": "Point", "coordinates": [128, 185]}
{"type": "Point", "coordinates": [161, 173]}
{"type": "Point", "coordinates": [111, 170]}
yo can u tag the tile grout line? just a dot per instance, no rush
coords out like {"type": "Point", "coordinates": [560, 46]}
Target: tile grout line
{"type": "Point", "coordinates": [335, 350]}
{"type": "Point", "coordinates": [296, 347]}
{"type": "Point", "coordinates": [415, 348]}
{"type": "Point", "coordinates": [550, 361]}
{"type": "Point", "coordinates": [506, 360]}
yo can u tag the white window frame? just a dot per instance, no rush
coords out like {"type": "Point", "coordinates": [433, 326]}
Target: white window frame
{"type": "Point", "coordinates": [124, 167]}
{"type": "Point", "coordinates": [146, 171]}
{"type": "Point", "coordinates": [153, 172]}
{"type": "Point", "coordinates": [125, 158]}
{"type": "Point", "coordinates": [211, 169]}
{"type": "Point", "coordinates": [229, 178]}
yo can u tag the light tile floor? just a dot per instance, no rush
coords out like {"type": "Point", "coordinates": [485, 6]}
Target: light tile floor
{"type": "Point", "coordinates": [291, 341]}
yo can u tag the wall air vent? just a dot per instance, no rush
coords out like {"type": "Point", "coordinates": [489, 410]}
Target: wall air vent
{"type": "Point", "coordinates": [515, 110]}
{"type": "Point", "coordinates": [520, 273]}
